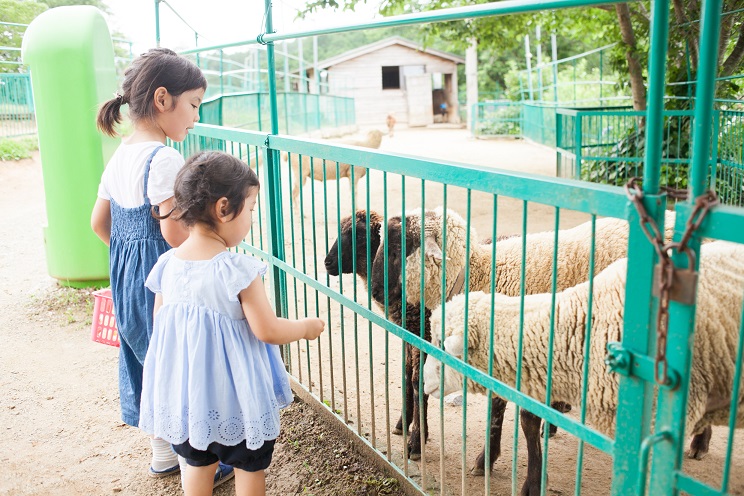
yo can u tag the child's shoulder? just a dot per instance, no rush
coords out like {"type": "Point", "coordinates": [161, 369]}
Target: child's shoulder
{"type": "Point", "coordinates": [242, 261]}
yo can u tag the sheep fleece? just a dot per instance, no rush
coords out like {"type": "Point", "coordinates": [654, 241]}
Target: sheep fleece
{"type": "Point", "coordinates": [719, 307]}
{"type": "Point", "coordinates": [574, 247]}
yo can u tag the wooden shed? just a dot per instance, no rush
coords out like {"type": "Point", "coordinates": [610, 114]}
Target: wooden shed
{"type": "Point", "coordinates": [395, 75]}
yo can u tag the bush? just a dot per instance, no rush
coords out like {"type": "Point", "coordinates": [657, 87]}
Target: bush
{"type": "Point", "coordinates": [17, 149]}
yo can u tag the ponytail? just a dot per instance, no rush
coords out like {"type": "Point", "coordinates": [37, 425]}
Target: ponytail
{"type": "Point", "coordinates": [109, 115]}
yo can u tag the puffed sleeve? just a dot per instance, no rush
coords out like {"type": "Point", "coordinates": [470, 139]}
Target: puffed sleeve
{"type": "Point", "coordinates": [153, 281]}
{"type": "Point", "coordinates": [237, 271]}
{"type": "Point", "coordinates": [165, 166]}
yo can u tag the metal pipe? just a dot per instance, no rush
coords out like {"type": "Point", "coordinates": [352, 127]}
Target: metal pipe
{"type": "Point", "coordinates": [457, 13]}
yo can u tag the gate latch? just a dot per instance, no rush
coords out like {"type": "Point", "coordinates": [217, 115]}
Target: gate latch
{"type": "Point", "coordinates": [630, 364]}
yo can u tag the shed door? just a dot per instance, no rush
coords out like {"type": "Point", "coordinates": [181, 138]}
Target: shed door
{"type": "Point", "coordinates": [420, 107]}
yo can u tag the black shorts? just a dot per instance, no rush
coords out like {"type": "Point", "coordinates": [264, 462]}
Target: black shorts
{"type": "Point", "coordinates": [238, 456]}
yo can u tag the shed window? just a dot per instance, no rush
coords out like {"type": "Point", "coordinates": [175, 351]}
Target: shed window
{"type": "Point", "coordinates": [391, 77]}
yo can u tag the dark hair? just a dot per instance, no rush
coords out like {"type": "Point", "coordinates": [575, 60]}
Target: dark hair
{"type": "Point", "coordinates": [205, 178]}
{"type": "Point", "coordinates": [155, 68]}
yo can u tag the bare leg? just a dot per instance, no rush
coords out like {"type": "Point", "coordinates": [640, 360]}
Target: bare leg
{"type": "Point", "coordinates": [199, 481]}
{"type": "Point", "coordinates": [250, 483]}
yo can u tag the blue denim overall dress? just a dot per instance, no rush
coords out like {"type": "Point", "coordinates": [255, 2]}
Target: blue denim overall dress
{"type": "Point", "coordinates": [136, 243]}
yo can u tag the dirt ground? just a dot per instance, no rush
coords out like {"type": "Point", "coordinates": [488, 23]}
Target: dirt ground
{"type": "Point", "coordinates": [59, 417]}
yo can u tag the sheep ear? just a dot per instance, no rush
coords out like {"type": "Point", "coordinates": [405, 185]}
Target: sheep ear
{"type": "Point", "coordinates": [432, 249]}
{"type": "Point", "coordinates": [454, 345]}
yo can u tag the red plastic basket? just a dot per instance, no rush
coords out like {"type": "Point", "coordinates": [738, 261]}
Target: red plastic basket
{"type": "Point", "coordinates": [103, 329]}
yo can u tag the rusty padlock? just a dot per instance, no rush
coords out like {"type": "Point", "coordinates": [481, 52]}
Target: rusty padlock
{"type": "Point", "coordinates": [684, 281]}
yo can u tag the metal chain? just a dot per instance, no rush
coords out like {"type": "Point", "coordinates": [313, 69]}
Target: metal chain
{"type": "Point", "coordinates": [703, 204]}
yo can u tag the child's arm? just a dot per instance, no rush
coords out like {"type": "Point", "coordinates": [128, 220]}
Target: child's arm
{"type": "Point", "coordinates": [267, 326]}
{"type": "Point", "coordinates": [173, 231]}
{"type": "Point", "coordinates": [100, 220]}
{"type": "Point", "coordinates": [158, 304]}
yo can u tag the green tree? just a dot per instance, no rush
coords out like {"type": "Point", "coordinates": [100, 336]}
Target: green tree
{"type": "Point", "coordinates": [500, 39]}
{"type": "Point", "coordinates": [16, 12]}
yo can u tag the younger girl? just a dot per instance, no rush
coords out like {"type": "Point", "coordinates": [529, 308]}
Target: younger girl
{"type": "Point", "coordinates": [214, 380]}
{"type": "Point", "coordinates": [163, 92]}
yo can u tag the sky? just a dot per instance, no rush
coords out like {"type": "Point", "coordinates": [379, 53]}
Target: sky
{"type": "Point", "coordinates": [221, 21]}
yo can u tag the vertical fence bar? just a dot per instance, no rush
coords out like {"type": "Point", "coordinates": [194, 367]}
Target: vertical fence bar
{"type": "Point", "coordinates": [276, 223]}
{"type": "Point", "coordinates": [672, 410]}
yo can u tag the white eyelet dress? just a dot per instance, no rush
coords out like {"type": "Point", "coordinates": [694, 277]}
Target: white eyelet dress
{"type": "Point", "coordinates": [207, 378]}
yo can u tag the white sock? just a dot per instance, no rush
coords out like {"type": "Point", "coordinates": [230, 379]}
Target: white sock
{"type": "Point", "coordinates": [163, 456]}
{"type": "Point", "coordinates": [182, 463]}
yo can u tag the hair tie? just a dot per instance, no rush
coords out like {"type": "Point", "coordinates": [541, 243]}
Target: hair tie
{"type": "Point", "coordinates": [118, 97]}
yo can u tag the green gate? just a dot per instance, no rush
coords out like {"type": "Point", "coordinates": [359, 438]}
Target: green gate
{"type": "Point", "coordinates": [355, 372]}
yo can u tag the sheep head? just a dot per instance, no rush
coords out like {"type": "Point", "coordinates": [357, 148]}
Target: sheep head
{"type": "Point", "coordinates": [374, 138]}
{"type": "Point", "coordinates": [434, 236]}
{"type": "Point", "coordinates": [392, 248]}
{"type": "Point", "coordinates": [345, 241]}
{"type": "Point", "coordinates": [453, 345]}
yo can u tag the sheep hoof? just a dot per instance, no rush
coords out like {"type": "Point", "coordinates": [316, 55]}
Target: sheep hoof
{"type": "Point", "coordinates": [477, 471]}
{"type": "Point", "coordinates": [700, 443]}
{"type": "Point", "coordinates": [414, 456]}
{"type": "Point", "coordinates": [397, 431]}
{"type": "Point", "coordinates": [696, 454]}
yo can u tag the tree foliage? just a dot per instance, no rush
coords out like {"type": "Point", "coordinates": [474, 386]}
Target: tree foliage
{"type": "Point", "coordinates": [501, 38]}
{"type": "Point", "coordinates": [23, 12]}
{"type": "Point", "coordinates": [17, 12]}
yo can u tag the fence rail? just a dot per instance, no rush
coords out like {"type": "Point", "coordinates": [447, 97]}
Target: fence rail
{"type": "Point", "coordinates": [606, 146]}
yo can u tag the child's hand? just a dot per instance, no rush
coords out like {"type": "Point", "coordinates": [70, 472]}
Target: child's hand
{"type": "Point", "coordinates": [313, 328]}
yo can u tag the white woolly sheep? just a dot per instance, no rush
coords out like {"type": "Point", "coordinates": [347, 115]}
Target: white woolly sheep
{"type": "Point", "coordinates": [719, 302]}
{"type": "Point", "coordinates": [320, 168]}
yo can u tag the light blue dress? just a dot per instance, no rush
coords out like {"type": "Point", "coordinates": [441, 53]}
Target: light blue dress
{"type": "Point", "coordinates": [207, 378]}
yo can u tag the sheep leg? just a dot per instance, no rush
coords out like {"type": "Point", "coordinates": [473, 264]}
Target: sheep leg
{"type": "Point", "coordinates": [700, 443]}
{"type": "Point", "coordinates": [419, 410]}
{"type": "Point", "coordinates": [299, 183]}
{"type": "Point", "coordinates": [407, 384]}
{"type": "Point", "coordinates": [531, 429]}
{"type": "Point", "coordinates": [498, 407]}
{"type": "Point", "coordinates": [561, 407]}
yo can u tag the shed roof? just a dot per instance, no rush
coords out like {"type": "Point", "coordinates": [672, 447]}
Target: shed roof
{"type": "Point", "coordinates": [378, 45]}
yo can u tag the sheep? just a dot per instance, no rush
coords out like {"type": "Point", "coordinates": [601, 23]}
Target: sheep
{"type": "Point", "coordinates": [719, 302]}
{"type": "Point", "coordinates": [395, 307]}
{"type": "Point", "coordinates": [456, 237]}
{"type": "Point", "coordinates": [320, 168]}
{"type": "Point", "coordinates": [611, 243]}
{"type": "Point", "coordinates": [395, 304]}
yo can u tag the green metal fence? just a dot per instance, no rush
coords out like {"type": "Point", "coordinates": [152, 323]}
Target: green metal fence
{"type": "Point", "coordinates": [299, 113]}
{"type": "Point", "coordinates": [606, 146]}
{"type": "Point", "coordinates": [357, 372]}
{"type": "Point", "coordinates": [17, 116]}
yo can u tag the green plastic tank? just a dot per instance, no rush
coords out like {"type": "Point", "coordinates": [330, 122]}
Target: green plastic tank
{"type": "Point", "coordinates": [71, 57]}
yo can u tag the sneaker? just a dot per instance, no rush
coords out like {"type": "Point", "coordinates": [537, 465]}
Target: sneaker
{"type": "Point", "coordinates": [157, 474]}
{"type": "Point", "coordinates": [224, 473]}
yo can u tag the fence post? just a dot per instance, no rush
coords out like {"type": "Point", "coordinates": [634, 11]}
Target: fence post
{"type": "Point", "coordinates": [558, 143]}
{"type": "Point", "coordinates": [273, 179]}
{"type": "Point", "coordinates": [577, 143]}
{"type": "Point", "coordinates": [672, 407]}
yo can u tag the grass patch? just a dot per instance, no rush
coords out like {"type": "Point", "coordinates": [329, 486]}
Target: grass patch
{"type": "Point", "coordinates": [73, 305]}
{"type": "Point", "coordinates": [17, 148]}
